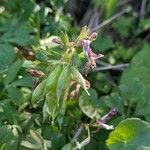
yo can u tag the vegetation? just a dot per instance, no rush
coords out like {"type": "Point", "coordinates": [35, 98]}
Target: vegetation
{"type": "Point", "coordinates": [74, 75]}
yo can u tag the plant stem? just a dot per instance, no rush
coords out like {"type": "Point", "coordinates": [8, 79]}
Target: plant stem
{"type": "Point", "coordinates": [126, 10]}
{"type": "Point", "coordinates": [110, 67]}
{"type": "Point", "coordinates": [142, 12]}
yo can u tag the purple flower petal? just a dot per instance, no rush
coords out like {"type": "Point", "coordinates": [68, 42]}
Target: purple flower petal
{"type": "Point", "coordinates": [106, 126]}
{"type": "Point", "coordinates": [86, 46]}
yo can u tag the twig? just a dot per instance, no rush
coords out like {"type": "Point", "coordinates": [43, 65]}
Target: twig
{"type": "Point", "coordinates": [120, 3]}
{"type": "Point", "coordinates": [102, 121]}
{"type": "Point", "coordinates": [101, 63]}
{"type": "Point", "coordinates": [78, 132]}
{"type": "Point", "coordinates": [109, 115]}
{"type": "Point", "coordinates": [110, 67]}
{"type": "Point", "coordinates": [85, 141]}
{"type": "Point", "coordinates": [111, 19]}
{"type": "Point", "coordinates": [142, 12]}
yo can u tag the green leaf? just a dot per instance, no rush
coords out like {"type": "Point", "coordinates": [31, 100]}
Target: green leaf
{"type": "Point", "coordinates": [134, 92]}
{"type": "Point", "coordinates": [76, 60]}
{"type": "Point", "coordinates": [69, 54]}
{"type": "Point", "coordinates": [84, 33]}
{"type": "Point", "coordinates": [9, 112]}
{"type": "Point", "coordinates": [52, 79]}
{"type": "Point", "coordinates": [38, 92]}
{"type": "Point", "coordinates": [45, 111]}
{"type": "Point", "coordinates": [86, 105]}
{"type": "Point", "coordinates": [25, 81]}
{"type": "Point", "coordinates": [135, 83]}
{"type": "Point", "coordinates": [13, 71]}
{"type": "Point", "coordinates": [65, 39]}
{"type": "Point", "coordinates": [29, 145]}
{"type": "Point", "coordinates": [63, 82]}
{"type": "Point", "coordinates": [130, 134]}
{"type": "Point", "coordinates": [61, 114]}
{"type": "Point", "coordinates": [5, 135]}
{"type": "Point", "coordinates": [98, 141]}
{"type": "Point", "coordinates": [51, 100]}
{"type": "Point", "coordinates": [36, 136]}
{"type": "Point", "coordinates": [7, 138]}
{"type": "Point", "coordinates": [114, 101]}
{"type": "Point", "coordinates": [77, 76]}
{"type": "Point", "coordinates": [68, 146]}
{"type": "Point", "coordinates": [35, 141]}
{"type": "Point", "coordinates": [53, 134]}
{"type": "Point", "coordinates": [17, 33]}
{"type": "Point", "coordinates": [7, 55]}
{"type": "Point", "coordinates": [15, 94]}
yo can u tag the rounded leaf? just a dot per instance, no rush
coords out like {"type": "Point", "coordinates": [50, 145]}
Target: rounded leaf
{"type": "Point", "coordinates": [130, 134]}
{"type": "Point", "coordinates": [86, 105]}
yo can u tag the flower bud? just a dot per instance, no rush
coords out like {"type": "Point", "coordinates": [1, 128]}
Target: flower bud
{"type": "Point", "coordinates": [93, 36]}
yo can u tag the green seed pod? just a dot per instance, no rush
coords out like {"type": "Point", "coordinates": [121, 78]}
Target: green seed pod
{"type": "Point", "coordinates": [76, 75]}
{"type": "Point", "coordinates": [52, 79]}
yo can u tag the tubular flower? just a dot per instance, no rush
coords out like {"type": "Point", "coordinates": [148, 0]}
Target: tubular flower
{"type": "Point", "coordinates": [106, 126]}
{"type": "Point", "coordinates": [91, 56]}
{"type": "Point", "coordinates": [109, 115]}
{"type": "Point", "coordinates": [105, 118]}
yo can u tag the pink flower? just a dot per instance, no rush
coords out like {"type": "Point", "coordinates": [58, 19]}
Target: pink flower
{"type": "Point", "coordinates": [88, 51]}
{"type": "Point", "coordinates": [91, 56]}
{"type": "Point", "coordinates": [109, 115]}
{"type": "Point", "coordinates": [105, 118]}
{"type": "Point", "coordinates": [86, 46]}
{"type": "Point", "coordinates": [105, 126]}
